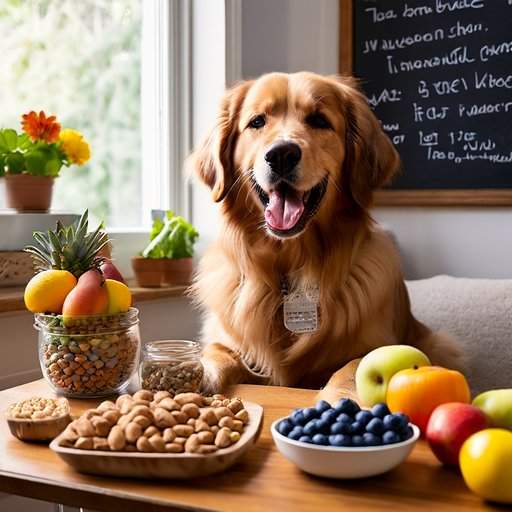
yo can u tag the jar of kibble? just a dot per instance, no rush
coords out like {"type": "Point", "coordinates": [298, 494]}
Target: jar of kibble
{"type": "Point", "coordinates": [173, 365]}
{"type": "Point", "coordinates": [89, 356]}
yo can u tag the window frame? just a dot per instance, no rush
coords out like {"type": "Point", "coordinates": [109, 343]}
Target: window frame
{"type": "Point", "coordinates": [165, 106]}
{"type": "Point", "coordinates": [166, 111]}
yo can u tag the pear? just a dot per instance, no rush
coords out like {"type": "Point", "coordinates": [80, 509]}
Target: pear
{"type": "Point", "coordinates": [497, 406]}
{"type": "Point", "coordinates": [88, 297]}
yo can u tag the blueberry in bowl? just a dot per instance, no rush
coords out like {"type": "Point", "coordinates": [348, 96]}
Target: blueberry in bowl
{"type": "Point", "coordinates": [344, 441]}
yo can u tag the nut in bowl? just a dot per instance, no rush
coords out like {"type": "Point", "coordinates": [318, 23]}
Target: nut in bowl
{"type": "Point", "coordinates": [38, 419]}
{"type": "Point", "coordinates": [344, 441]}
{"type": "Point", "coordinates": [151, 435]}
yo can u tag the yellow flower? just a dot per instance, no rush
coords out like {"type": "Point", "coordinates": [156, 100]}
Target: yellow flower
{"type": "Point", "coordinates": [75, 146]}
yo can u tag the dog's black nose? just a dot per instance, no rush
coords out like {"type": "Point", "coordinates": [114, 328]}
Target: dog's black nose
{"type": "Point", "coordinates": [283, 157]}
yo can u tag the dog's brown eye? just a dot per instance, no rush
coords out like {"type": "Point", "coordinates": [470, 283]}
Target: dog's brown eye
{"type": "Point", "coordinates": [257, 122]}
{"type": "Point", "coordinates": [318, 120]}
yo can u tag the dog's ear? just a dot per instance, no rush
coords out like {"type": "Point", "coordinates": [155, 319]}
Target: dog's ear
{"type": "Point", "coordinates": [371, 159]}
{"type": "Point", "coordinates": [212, 161]}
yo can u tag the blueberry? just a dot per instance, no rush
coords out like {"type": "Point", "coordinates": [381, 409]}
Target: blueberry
{"type": "Point", "coordinates": [310, 427]}
{"type": "Point", "coordinates": [320, 439]}
{"type": "Point", "coordinates": [364, 417]}
{"type": "Point", "coordinates": [380, 410]}
{"type": "Point", "coordinates": [340, 440]}
{"type": "Point", "coordinates": [323, 426]}
{"type": "Point", "coordinates": [344, 418]}
{"type": "Point", "coordinates": [305, 439]}
{"type": "Point", "coordinates": [375, 426]}
{"type": "Point", "coordinates": [390, 437]}
{"type": "Point", "coordinates": [406, 434]}
{"type": "Point", "coordinates": [393, 422]}
{"type": "Point", "coordinates": [371, 439]}
{"type": "Point", "coordinates": [330, 415]}
{"type": "Point", "coordinates": [297, 418]}
{"type": "Point", "coordinates": [347, 406]}
{"type": "Point", "coordinates": [340, 428]}
{"type": "Point", "coordinates": [284, 427]}
{"type": "Point", "coordinates": [403, 418]}
{"type": "Point", "coordinates": [356, 428]}
{"type": "Point", "coordinates": [357, 441]}
{"type": "Point", "coordinates": [322, 406]}
{"type": "Point", "coordinates": [296, 433]}
{"type": "Point", "coordinates": [310, 413]}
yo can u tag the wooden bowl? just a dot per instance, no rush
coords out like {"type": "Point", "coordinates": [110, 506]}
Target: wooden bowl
{"type": "Point", "coordinates": [42, 430]}
{"type": "Point", "coordinates": [163, 465]}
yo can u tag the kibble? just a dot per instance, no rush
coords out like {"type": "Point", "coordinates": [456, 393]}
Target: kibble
{"type": "Point", "coordinates": [172, 376]}
{"type": "Point", "coordinates": [92, 358]}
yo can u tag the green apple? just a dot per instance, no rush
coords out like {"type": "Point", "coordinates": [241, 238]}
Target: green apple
{"type": "Point", "coordinates": [377, 367]}
{"type": "Point", "coordinates": [497, 406]}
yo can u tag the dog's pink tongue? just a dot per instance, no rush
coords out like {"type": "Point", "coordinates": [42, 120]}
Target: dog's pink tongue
{"type": "Point", "coordinates": [284, 209]}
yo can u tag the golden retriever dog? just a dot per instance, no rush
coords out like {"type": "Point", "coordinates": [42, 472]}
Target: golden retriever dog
{"type": "Point", "coordinates": [293, 160]}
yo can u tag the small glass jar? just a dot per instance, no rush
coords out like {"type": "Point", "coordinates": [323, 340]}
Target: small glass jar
{"type": "Point", "coordinates": [88, 356]}
{"type": "Point", "coordinates": [171, 365]}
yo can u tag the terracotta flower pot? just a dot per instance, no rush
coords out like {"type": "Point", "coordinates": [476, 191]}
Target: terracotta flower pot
{"type": "Point", "coordinates": [149, 272]}
{"type": "Point", "coordinates": [27, 193]}
{"type": "Point", "coordinates": [178, 271]}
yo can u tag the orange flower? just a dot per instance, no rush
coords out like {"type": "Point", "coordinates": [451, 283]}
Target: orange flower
{"type": "Point", "coordinates": [40, 127]}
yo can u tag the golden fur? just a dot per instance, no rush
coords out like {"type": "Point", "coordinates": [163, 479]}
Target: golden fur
{"type": "Point", "coordinates": [363, 300]}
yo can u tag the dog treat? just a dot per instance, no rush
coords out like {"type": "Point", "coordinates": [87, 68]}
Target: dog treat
{"type": "Point", "coordinates": [174, 377]}
{"type": "Point", "coordinates": [38, 408]}
{"type": "Point", "coordinates": [155, 422]}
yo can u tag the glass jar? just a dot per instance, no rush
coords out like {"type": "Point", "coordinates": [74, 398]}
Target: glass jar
{"type": "Point", "coordinates": [172, 365]}
{"type": "Point", "coordinates": [88, 356]}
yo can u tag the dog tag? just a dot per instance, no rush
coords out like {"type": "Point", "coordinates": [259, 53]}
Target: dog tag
{"type": "Point", "coordinates": [300, 311]}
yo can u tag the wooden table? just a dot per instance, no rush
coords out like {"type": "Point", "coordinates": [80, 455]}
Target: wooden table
{"type": "Point", "coordinates": [264, 480]}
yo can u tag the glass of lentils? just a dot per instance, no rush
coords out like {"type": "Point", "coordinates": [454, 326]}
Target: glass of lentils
{"type": "Point", "coordinates": [89, 356]}
{"type": "Point", "coordinates": [171, 365]}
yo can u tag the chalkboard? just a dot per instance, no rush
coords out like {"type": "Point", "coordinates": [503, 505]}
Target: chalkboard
{"type": "Point", "coordinates": [438, 74]}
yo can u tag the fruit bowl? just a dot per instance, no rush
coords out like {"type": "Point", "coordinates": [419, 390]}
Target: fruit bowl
{"type": "Point", "coordinates": [88, 356]}
{"type": "Point", "coordinates": [344, 462]}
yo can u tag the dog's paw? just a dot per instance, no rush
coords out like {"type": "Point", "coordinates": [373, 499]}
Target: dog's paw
{"type": "Point", "coordinates": [212, 382]}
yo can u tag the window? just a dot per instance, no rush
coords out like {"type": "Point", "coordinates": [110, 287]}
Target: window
{"type": "Point", "coordinates": [102, 67]}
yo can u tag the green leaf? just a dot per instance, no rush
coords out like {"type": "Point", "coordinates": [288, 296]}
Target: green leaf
{"type": "Point", "coordinates": [158, 225]}
{"type": "Point", "coordinates": [8, 139]}
{"type": "Point", "coordinates": [52, 167]}
{"type": "Point", "coordinates": [2, 166]}
{"type": "Point", "coordinates": [24, 141]}
{"type": "Point", "coordinates": [14, 163]}
{"type": "Point", "coordinates": [174, 238]}
{"type": "Point", "coordinates": [35, 162]}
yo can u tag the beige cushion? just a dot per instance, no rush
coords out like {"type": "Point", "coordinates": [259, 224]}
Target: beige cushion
{"type": "Point", "coordinates": [478, 313]}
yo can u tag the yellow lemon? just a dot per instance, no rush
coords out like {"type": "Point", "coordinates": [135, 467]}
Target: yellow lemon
{"type": "Point", "coordinates": [486, 464]}
{"type": "Point", "coordinates": [119, 296]}
{"type": "Point", "coordinates": [46, 291]}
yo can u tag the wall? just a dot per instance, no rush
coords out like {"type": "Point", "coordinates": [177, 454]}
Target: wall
{"type": "Point", "coordinates": [291, 35]}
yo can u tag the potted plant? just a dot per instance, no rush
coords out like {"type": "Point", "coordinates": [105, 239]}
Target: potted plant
{"type": "Point", "coordinates": [30, 161]}
{"type": "Point", "coordinates": [167, 259]}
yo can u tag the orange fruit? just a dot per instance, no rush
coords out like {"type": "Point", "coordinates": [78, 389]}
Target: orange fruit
{"type": "Point", "coordinates": [417, 392]}
{"type": "Point", "coordinates": [46, 291]}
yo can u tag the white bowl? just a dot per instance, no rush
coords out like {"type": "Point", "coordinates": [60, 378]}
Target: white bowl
{"type": "Point", "coordinates": [344, 462]}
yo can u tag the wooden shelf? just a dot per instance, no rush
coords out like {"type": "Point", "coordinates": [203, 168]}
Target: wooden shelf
{"type": "Point", "coordinates": [11, 299]}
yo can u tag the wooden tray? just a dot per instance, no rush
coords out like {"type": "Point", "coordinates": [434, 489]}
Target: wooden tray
{"type": "Point", "coordinates": [163, 465]}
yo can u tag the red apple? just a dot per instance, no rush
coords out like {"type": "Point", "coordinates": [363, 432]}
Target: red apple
{"type": "Point", "coordinates": [449, 426]}
{"type": "Point", "coordinates": [110, 271]}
